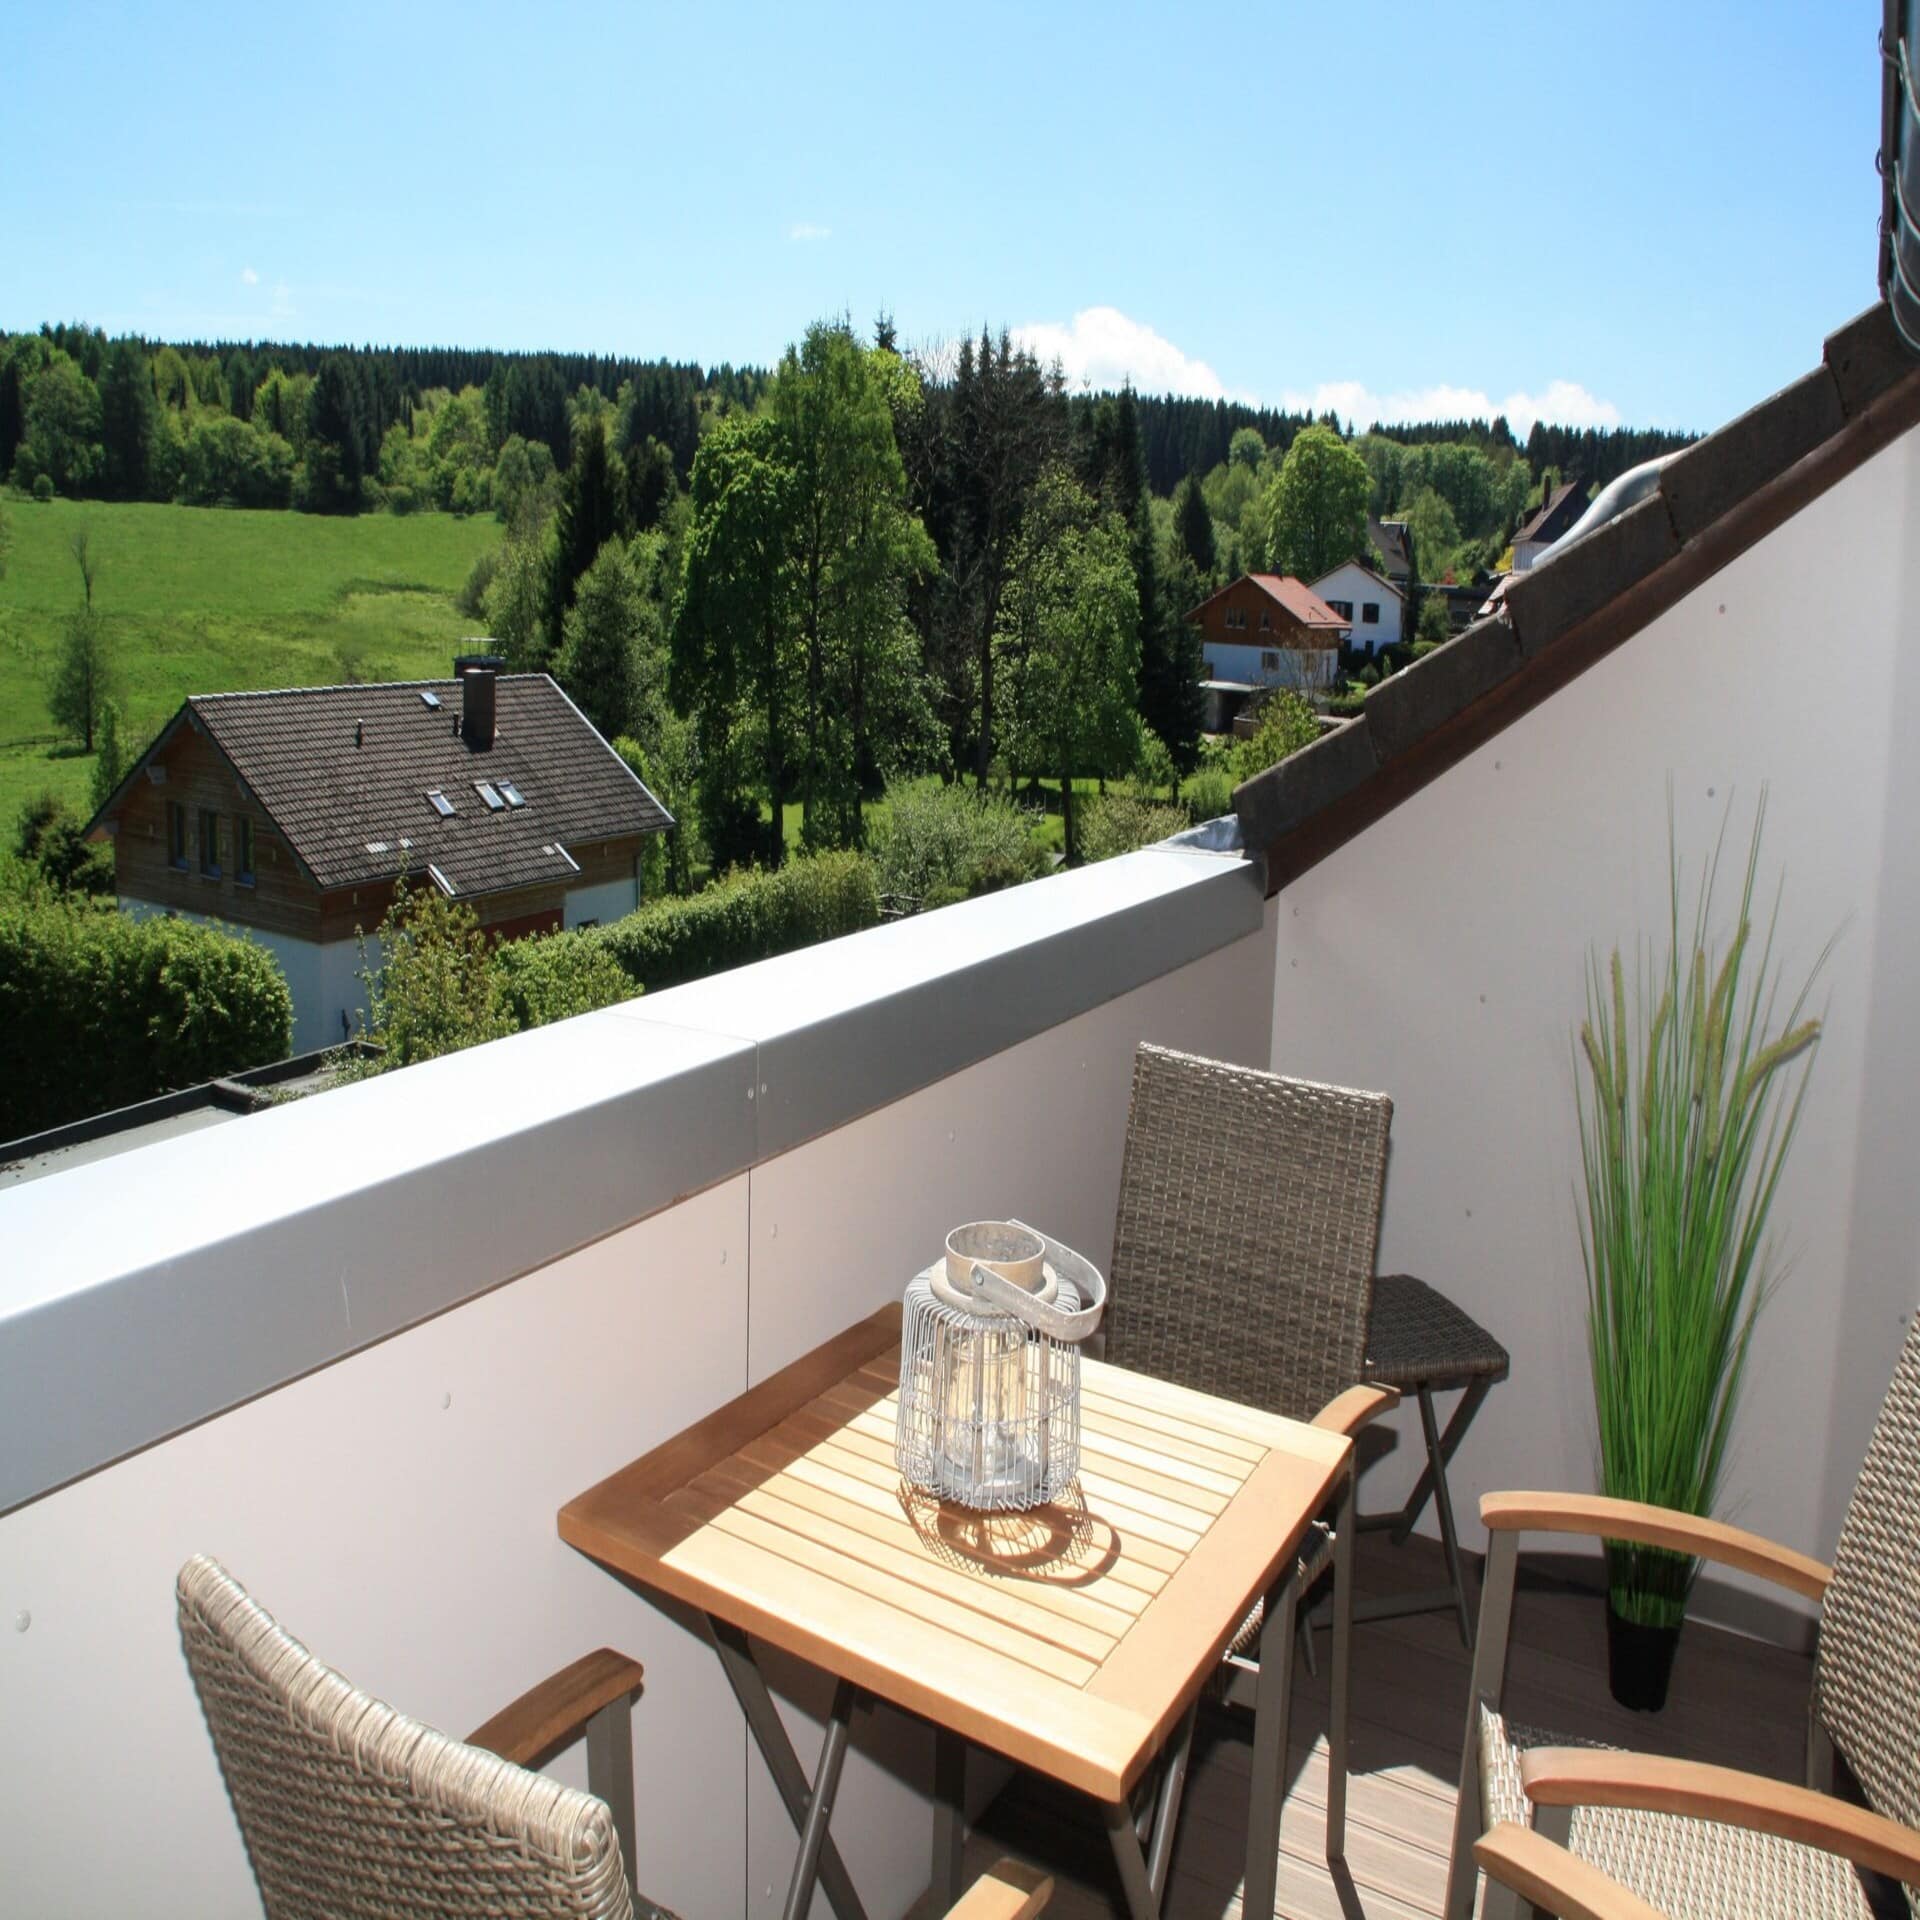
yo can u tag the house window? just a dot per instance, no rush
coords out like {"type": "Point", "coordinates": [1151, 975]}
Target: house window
{"type": "Point", "coordinates": [1270, 662]}
{"type": "Point", "coordinates": [1236, 616]}
{"type": "Point", "coordinates": [1370, 613]}
{"type": "Point", "coordinates": [210, 843]}
{"type": "Point", "coordinates": [1266, 622]}
{"type": "Point", "coordinates": [243, 849]}
{"type": "Point", "coordinates": [176, 835]}
{"type": "Point", "coordinates": [1344, 608]}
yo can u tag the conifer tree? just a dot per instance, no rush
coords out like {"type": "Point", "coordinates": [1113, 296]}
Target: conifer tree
{"type": "Point", "coordinates": [127, 409]}
{"type": "Point", "coordinates": [592, 511]}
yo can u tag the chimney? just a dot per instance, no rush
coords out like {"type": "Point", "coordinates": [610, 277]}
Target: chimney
{"type": "Point", "coordinates": [476, 706]}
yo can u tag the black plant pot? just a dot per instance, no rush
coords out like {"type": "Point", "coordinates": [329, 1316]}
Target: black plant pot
{"type": "Point", "coordinates": [1639, 1662]}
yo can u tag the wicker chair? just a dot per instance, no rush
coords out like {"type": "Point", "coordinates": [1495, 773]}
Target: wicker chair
{"type": "Point", "coordinates": [1243, 1257]}
{"type": "Point", "coordinates": [1709, 1843]}
{"type": "Point", "coordinates": [351, 1809]}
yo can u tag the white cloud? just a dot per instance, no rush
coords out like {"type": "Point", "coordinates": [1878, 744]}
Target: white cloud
{"type": "Point", "coordinates": [1102, 347]}
{"type": "Point", "coordinates": [1564, 402]}
{"type": "Point", "coordinates": [806, 230]}
{"type": "Point", "coordinates": [248, 278]}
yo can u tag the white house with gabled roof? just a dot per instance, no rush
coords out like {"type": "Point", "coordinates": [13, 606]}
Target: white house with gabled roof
{"type": "Point", "coordinates": [1374, 607]}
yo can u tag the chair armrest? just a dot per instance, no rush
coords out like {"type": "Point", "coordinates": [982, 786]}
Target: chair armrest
{"type": "Point", "coordinates": [1633, 1520]}
{"type": "Point", "coordinates": [1006, 1891]}
{"type": "Point", "coordinates": [1589, 1777]}
{"type": "Point", "coordinates": [546, 1717]}
{"type": "Point", "coordinates": [1551, 1878]}
{"type": "Point", "coordinates": [1348, 1412]}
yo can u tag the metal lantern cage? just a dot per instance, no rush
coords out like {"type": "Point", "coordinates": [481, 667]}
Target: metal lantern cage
{"type": "Point", "coordinates": [990, 1367]}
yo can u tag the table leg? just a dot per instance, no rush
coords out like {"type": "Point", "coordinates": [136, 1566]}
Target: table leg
{"type": "Point", "coordinates": [1134, 1877]}
{"type": "Point", "coordinates": [1340, 1710]}
{"type": "Point", "coordinates": [1268, 1786]}
{"type": "Point", "coordinates": [1166, 1813]}
{"type": "Point", "coordinates": [826, 1783]}
{"type": "Point", "coordinates": [949, 1816]}
{"type": "Point", "coordinates": [763, 1720]}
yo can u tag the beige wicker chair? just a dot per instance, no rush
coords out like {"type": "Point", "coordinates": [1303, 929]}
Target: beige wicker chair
{"type": "Point", "coordinates": [1243, 1256]}
{"type": "Point", "coordinates": [351, 1809]}
{"type": "Point", "coordinates": [1709, 1843]}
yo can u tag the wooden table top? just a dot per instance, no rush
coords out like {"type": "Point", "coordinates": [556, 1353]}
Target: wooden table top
{"type": "Point", "coordinates": [1070, 1638]}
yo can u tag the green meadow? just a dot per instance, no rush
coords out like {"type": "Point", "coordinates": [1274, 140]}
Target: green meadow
{"type": "Point", "coordinates": [212, 599]}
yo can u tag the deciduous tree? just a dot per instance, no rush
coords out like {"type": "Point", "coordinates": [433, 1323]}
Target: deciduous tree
{"type": "Point", "coordinates": [1068, 642]}
{"type": "Point", "coordinates": [1313, 515]}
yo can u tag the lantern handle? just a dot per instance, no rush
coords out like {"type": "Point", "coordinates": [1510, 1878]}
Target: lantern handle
{"type": "Point", "coordinates": [992, 1290]}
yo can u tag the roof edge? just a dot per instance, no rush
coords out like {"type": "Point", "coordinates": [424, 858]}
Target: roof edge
{"type": "Point", "coordinates": [1716, 499]}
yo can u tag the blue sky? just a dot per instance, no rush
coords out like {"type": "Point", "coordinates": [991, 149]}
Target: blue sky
{"type": "Point", "coordinates": [1643, 213]}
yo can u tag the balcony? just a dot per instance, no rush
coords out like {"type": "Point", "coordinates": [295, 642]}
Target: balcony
{"type": "Point", "coordinates": [363, 1347]}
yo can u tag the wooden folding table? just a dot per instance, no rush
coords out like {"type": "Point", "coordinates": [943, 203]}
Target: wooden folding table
{"type": "Point", "coordinates": [1074, 1639]}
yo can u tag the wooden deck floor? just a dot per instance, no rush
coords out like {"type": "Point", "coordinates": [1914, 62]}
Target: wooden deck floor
{"type": "Point", "coordinates": [1733, 1700]}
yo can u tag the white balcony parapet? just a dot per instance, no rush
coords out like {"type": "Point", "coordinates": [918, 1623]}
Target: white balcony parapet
{"type": "Point", "coordinates": [145, 1293]}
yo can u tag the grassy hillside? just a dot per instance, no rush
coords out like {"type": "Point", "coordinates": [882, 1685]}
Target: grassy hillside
{"type": "Point", "coordinates": [207, 600]}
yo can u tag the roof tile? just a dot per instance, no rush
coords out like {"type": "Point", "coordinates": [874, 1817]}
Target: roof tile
{"type": "Point", "coordinates": [1706, 479]}
{"type": "Point", "coordinates": [1866, 357]}
{"type": "Point", "coordinates": [1411, 703]}
{"type": "Point", "coordinates": [1276, 801]}
{"type": "Point", "coordinates": [1577, 580]}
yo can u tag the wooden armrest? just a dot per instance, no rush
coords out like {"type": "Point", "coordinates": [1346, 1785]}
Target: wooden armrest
{"type": "Point", "coordinates": [1590, 1777]}
{"type": "Point", "coordinates": [1006, 1891]}
{"type": "Point", "coordinates": [1348, 1412]}
{"type": "Point", "coordinates": [546, 1717]}
{"type": "Point", "coordinates": [1633, 1520]}
{"type": "Point", "coordinates": [1553, 1879]}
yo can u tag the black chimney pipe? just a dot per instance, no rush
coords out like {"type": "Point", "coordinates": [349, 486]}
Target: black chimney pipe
{"type": "Point", "coordinates": [477, 706]}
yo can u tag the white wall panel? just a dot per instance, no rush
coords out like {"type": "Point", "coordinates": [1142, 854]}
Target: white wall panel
{"type": "Point", "coordinates": [1440, 956]}
{"type": "Point", "coordinates": [396, 1512]}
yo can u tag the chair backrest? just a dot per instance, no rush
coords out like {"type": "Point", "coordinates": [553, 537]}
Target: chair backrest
{"type": "Point", "coordinates": [1867, 1669]}
{"type": "Point", "coordinates": [1249, 1216]}
{"type": "Point", "coordinates": [349, 1808]}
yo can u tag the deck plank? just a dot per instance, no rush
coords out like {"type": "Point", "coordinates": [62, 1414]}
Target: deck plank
{"type": "Point", "coordinates": [1734, 1700]}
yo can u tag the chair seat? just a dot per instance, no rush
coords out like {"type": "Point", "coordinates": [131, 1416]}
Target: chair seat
{"type": "Point", "coordinates": [1416, 1336]}
{"type": "Point", "coordinates": [1689, 1869]}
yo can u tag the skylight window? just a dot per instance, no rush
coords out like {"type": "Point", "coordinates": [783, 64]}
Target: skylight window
{"type": "Point", "coordinates": [484, 788]}
{"type": "Point", "coordinates": [439, 802]}
{"type": "Point", "coordinates": [429, 698]}
{"type": "Point", "coordinates": [512, 794]}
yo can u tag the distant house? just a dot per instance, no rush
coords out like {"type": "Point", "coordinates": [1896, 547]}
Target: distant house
{"type": "Point", "coordinates": [292, 814]}
{"type": "Point", "coordinates": [1547, 523]}
{"type": "Point", "coordinates": [1268, 630]}
{"type": "Point", "coordinates": [1373, 607]}
{"type": "Point", "coordinates": [1389, 539]}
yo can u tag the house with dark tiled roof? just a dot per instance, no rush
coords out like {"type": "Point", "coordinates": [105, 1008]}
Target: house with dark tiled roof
{"type": "Point", "coordinates": [294, 813]}
{"type": "Point", "coordinates": [1390, 540]}
{"type": "Point", "coordinates": [1554, 517]}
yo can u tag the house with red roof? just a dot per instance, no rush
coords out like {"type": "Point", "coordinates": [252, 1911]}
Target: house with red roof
{"type": "Point", "coordinates": [1265, 630]}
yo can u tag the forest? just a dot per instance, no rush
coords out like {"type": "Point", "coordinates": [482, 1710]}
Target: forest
{"type": "Point", "coordinates": [786, 588]}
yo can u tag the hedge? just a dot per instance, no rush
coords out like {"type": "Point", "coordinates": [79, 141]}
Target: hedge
{"type": "Point", "coordinates": [554, 976]}
{"type": "Point", "coordinates": [98, 1010]}
{"type": "Point", "coordinates": [747, 916]}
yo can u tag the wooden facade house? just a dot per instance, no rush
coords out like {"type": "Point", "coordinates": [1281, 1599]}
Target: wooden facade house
{"type": "Point", "coordinates": [293, 814]}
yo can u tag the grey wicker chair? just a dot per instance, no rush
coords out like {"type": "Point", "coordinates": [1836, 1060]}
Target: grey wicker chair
{"type": "Point", "coordinates": [1710, 1843]}
{"type": "Point", "coordinates": [1243, 1256]}
{"type": "Point", "coordinates": [351, 1809]}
